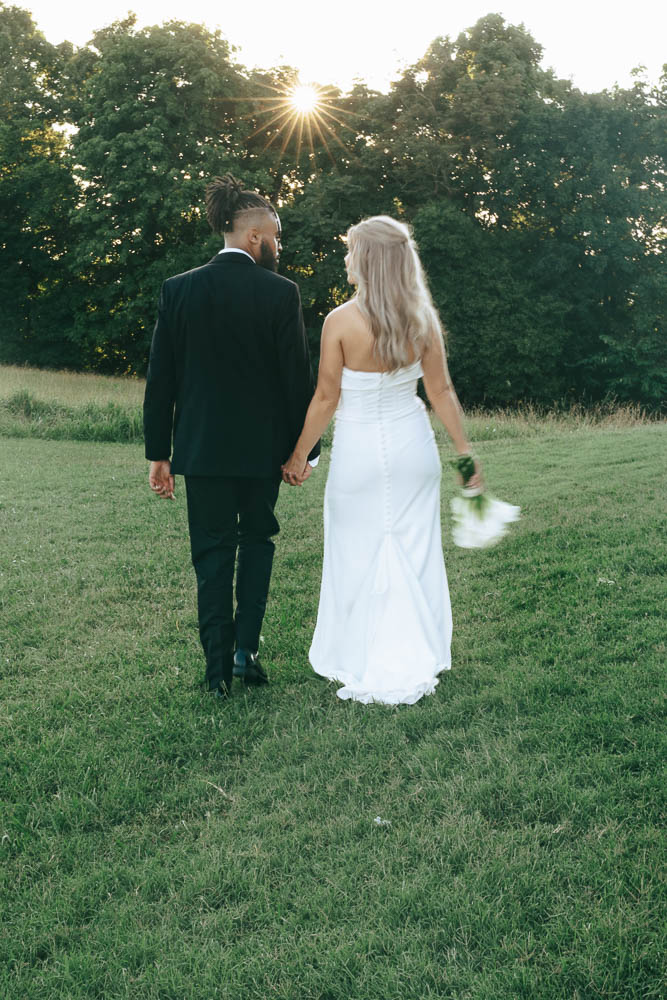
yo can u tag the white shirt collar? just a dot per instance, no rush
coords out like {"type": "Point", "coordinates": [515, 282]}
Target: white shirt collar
{"type": "Point", "coordinates": [236, 250]}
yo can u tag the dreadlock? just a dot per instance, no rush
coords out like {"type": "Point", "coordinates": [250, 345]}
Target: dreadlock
{"type": "Point", "coordinates": [226, 199]}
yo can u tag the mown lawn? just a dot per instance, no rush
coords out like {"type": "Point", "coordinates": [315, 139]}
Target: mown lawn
{"type": "Point", "coordinates": [158, 845]}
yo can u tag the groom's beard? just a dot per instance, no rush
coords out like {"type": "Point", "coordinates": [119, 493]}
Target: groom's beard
{"type": "Point", "coordinates": [267, 257]}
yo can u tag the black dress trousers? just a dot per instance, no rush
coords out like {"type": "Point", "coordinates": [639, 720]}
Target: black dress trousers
{"type": "Point", "coordinates": [226, 515]}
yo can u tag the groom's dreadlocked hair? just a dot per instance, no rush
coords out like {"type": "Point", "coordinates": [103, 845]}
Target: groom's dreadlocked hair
{"type": "Point", "coordinates": [226, 200]}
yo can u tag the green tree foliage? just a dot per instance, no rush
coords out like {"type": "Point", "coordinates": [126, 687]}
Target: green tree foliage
{"type": "Point", "coordinates": [36, 197]}
{"type": "Point", "coordinates": [539, 210]}
{"type": "Point", "coordinates": [565, 195]}
{"type": "Point", "coordinates": [491, 310]}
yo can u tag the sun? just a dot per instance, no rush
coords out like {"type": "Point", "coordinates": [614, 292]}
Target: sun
{"type": "Point", "coordinates": [304, 98]}
{"type": "Point", "coordinates": [304, 112]}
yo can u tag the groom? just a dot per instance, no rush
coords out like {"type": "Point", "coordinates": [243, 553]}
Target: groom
{"type": "Point", "coordinates": [229, 378]}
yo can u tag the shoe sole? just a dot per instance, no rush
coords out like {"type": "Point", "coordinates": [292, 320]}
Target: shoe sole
{"type": "Point", "coordinates": [219, 695]}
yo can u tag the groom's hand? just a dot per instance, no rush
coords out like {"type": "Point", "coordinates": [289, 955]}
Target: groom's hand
{"type": "Point", "coordinates": [161, 480]}
{"type": "Point", "coordinates": [295, 471]}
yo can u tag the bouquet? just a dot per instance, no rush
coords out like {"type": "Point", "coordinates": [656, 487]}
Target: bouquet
{"type": "Point", "coordinates": [479, 520]}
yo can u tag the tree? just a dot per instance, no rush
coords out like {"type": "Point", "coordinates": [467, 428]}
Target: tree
{"type": "Point", "coordinates": [490, 311]}
{"type": "Point", "coordinates": [572, 184]}
{"type": "Point", "coordinates": [152, 130]}
{"type": "Point", "coordinates": [36, 195]}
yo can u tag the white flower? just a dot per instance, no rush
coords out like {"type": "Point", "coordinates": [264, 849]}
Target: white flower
{"type": "Point", "coordinates": [479, 520]}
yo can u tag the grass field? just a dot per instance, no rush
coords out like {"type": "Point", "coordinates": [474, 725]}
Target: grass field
{"type": "Point", "coordinates": [83, 407]}
{"type": "Point", "coordinates": [68, 388]}
{"type": "Point", "coordinates": [158, 845]}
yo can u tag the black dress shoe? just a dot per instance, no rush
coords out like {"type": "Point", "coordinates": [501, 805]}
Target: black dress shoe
{"type": "Point", "coordinates": [248, 668]}
{"type": "Point", "coordinates": [221, 691]}
{"type": "Point", "coordinates": [220, 686]}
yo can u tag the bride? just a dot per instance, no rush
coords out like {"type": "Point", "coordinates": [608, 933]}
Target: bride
{"type": "Point", "coordinates": [384, 622]}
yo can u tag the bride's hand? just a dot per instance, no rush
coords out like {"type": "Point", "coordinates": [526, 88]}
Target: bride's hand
{"type": "Point", "coordinates": [476, 481]}
{"type": "Point", "coordinates": [295, 470]}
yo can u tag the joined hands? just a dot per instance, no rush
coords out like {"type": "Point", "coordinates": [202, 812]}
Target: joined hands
{"type": "Point", "coordinates": [295, 471]}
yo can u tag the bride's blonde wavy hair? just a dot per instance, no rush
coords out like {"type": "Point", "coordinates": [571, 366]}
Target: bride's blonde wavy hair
{"type": "Point", "coordinates": [392, 292]}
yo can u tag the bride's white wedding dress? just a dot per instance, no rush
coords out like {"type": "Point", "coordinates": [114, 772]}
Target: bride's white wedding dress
{"type": "Point", "coordinates": [384, 623]}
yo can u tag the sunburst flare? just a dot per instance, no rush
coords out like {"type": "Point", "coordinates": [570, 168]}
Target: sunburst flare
{"type": "Point", "coordinates": [303, 112]}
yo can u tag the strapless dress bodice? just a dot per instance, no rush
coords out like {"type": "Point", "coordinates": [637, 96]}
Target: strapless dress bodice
{"type": "Point", "coordinates": [369, 396]}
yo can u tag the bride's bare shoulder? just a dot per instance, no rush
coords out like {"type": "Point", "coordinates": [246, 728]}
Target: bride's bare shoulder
{"type": "Point", "coordinates": [346, 314]}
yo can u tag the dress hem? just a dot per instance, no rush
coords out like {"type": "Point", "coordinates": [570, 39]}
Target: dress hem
{"type": "Point", "coordinates": [352, 691]}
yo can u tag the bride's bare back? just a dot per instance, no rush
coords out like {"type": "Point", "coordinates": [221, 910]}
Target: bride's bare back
{"type": "Point", "coordinates": [356, 340]}
{"type": "Point", "coordinates": [347, 342]}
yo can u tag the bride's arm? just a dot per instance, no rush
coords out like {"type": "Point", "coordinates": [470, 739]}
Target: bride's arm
{"type": "Point", "coordinates": [324, 402]}
{"type": "Point", "coordinates": [442, 397]}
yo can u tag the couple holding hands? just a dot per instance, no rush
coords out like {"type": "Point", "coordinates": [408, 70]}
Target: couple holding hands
{"type": "Point", "coordinates": [231, 406]}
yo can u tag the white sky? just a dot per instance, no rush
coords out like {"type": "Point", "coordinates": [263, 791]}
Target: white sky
{"type": "Point", "coordinates": [593, 42]}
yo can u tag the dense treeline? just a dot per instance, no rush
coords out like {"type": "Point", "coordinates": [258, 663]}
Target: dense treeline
{"type": "Point", "coordinates": [539, 210]}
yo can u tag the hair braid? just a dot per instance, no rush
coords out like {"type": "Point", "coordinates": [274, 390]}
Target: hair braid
{"type": "Point", "coordinates": [226, 199]}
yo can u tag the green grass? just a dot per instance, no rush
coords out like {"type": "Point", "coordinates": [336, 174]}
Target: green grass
{"type": "Point", "coordinates": [69, 406]}
{"type": "Point", "coordinates": [70, 388]}
{"type": "Point", "coordinates": [24, 415]}
{"type": "Point", "coordinates": [157, 845]}
{"type": "Point", "coordinates": [84, 407]}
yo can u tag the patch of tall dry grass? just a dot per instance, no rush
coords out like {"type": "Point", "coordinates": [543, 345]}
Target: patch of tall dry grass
{"type": "Point", "coordinates": [70, 388]}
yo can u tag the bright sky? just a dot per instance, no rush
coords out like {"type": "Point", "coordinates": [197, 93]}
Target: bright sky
{"type": "Point", "coordinates": [595, 43]}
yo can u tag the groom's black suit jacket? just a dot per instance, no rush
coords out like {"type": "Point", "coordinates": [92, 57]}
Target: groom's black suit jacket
{"type": "Point", "coordinates": [229, 371]}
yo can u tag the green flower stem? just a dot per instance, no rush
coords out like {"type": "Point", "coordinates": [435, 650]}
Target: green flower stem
{"type": "Point", "coordinates": [465, 466]}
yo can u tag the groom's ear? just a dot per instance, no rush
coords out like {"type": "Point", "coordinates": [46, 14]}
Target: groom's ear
{"type": "Point", "coordinates": [253, 235]}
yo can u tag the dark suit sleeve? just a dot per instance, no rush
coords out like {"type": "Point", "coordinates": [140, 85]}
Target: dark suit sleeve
{"type": "Point", "coordinates": [160, 393]}
{"type": "Point", "coordinates": [296, 373]}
